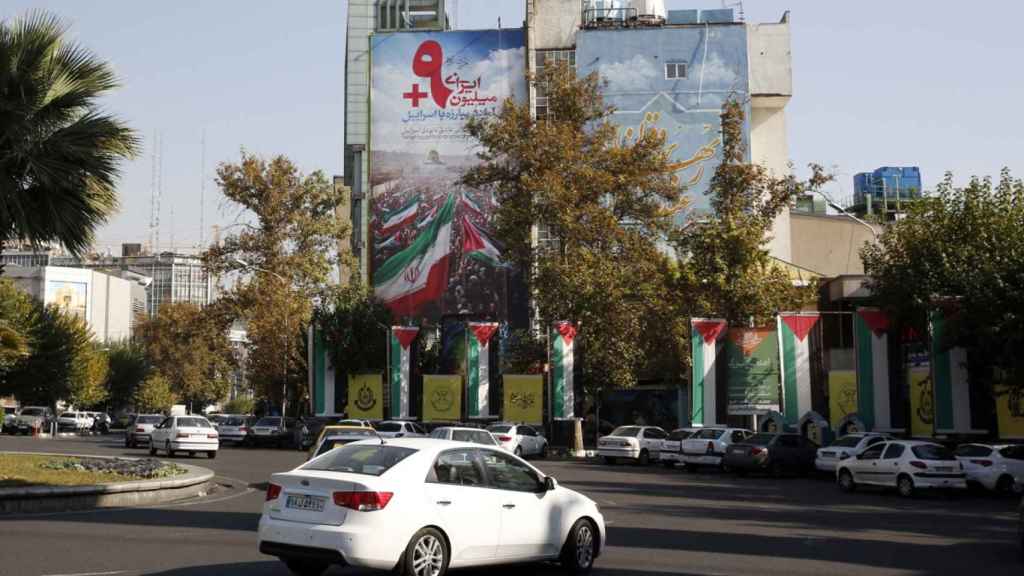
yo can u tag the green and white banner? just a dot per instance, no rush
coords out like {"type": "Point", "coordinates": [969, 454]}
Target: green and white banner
{"type": "Point", "coordinates": [951, 393]}
{"type": "Point", "coordinates": [795, 361]}
{"type": "Point", "coordinates": [323, 386]}
{"type": "Point", "coordinates": [870, 330]}
{"type": "Point", "coordinates": [563, 394]}
{"type": "Point", "coordinates": [706, 339]}
{"type": "Point", "coordinates": [478, 374]}
{"type": "Point", "coordinates": [402, 338]}
{"type": "Point", "coordinates": [752, 355]}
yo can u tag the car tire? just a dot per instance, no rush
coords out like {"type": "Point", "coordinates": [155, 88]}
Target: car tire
{"type": "Point", "coordinates": [305, 567]}
{"type": "Point", "coordinates": [645, 458]}
{"type": "Point", "coordinates": [211, 454]}
{"type": "Point", "coordinates": [1005, 485]}
{"type": "Point", "coordinates": [518, 451]}
{"type": "Point", "coordinates": [580, 548]}
{"type": "Point", "coordinates": [428, 549]}
{"type": "Point", "coordinates": [905, 486]}
{"type": "Point", "coordinates": [846, 482]}
{"type": "Point", "coordinates": [609, 460]}
{"type": "Point", "coordinates": [152, 449]}
{"type": "Point", "coordinates": [167, 448]}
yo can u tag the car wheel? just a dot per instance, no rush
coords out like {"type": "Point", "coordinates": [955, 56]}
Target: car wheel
{"type": "Point", "coordinates": [580, 548]}
{"type": "Point", "coordinates": [905, 486]}
{"type": "Point", "coordinates": [1005, 485]}
{"type": "Point", "coordinates": [644, 459]}
{"type": "Point", "coordinates": [211, 454]}
{"type": "Point", "coordinates": [426, 554]}
{"type": "Point", "coordinates": [305, 567]}
{"type": "Point", "coordinates": [846, 483]}
{"type": "Point", "coordinates": [152, 449]}
{"type": "Point", "coordinates": [127, 442]}
{"type": "Point", "coordinates": [609, 460]}
{"type": "Point", "coordinates": [167, 448]}
{"type": "Point", "coordinates": [518, 451]}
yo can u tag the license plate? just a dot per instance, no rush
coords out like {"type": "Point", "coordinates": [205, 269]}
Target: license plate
{"type": "Point", "coordinates": [306, 502]}
{"type": "Point", "coordinates": [199, 435]}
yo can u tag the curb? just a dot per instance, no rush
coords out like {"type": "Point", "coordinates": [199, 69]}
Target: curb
{"type": "Point", "coordinates": [33, 499]}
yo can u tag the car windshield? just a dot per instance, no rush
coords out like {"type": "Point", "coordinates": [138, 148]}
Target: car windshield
{"type": "Point", "coordinates": [679, 435]}
{"type": "Point", "coordinates": [372, 459]}
{"type": "Point", "coordinates": [627, 431]}
{"type": "Point", "coordinates": [760, 439]}
{"type": "Point", "coordinates": [474, 436]}
{"type": "Point", "coordinates": [149, 419]}
{"type": "Point", "coordinates": [193, 423]}
{"type": "Point", "coordinates": [69, 415]}
{"type": "Point", "coordinates": [932, 452]}
{"type": "Point", "coordinates": [32, 412]}
{"type": "Point", "coordinates": [272, 422]}
{"type": "Point", "coordinates": [847, 442]}
{"type": "Point", "coordinates": [973, 451]}
{"type": "Point", "coordinates": [235, 421]}
{"type": "Point", "coordinates": [709, 434]}
{"type": "Point", "coordinates": [499, 429]}
{"type": "Point", "coordinates": [389, 427]}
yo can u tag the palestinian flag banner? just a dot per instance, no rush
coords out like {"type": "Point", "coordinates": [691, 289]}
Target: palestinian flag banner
{"type": "Point", "coordinates": [706, 339]}
{"type": "Point", "coordinates": [562, 383]}
{"type": "Point", "coordinates": [398, 218]}
{"type": "Point", "coordinates": [476, 245]}
{"type": "Point", "coordinates": [871, 339]}
{"type": "Point", "coordinates": [402, 338]}
{"type": "Point", "coordinates": [467, 201]}
{"type": "Point", "coordinates": [419, 273]}
{"type": "Point", "coordinates": [794, 332]}
{"type": "Point", "coordinates": [951, 393]}
{"type": "Point", "coordinates": [478, 373]}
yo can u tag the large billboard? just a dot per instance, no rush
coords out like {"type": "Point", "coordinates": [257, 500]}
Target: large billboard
{"type": "Point", "coordinates": [70, 297]}
{"type": "Point", "coordinates": [753, 357]}
{"type": "Point", "coordinates": [432, 250]}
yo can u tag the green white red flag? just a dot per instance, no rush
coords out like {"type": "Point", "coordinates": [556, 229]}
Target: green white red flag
{"type": "Point", "coordinates": [402, 338]}
{"type": "Point", "coordinates": [706, 336]}
{"type": "Point", "coordinates": [478, 374]}
{"type": "Point", "coordinates": [562, 364]}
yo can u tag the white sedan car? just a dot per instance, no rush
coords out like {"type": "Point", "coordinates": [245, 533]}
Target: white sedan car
{"type": "Point", "coordinates": [640, 443]}
{"type": "Point", "coordinates": [422, 506]}
{"type": "Point", "coordinates": [184, 434]}
{"type": "Point", "coordinates": [400, 429]}
{"type": "Point", "coordinates": [707, 446]}
{"type": "Point", "coordinates": [672, 447]}
{"type": "Point", "coordinates": [907, 465]}
{"type": "Point", "coordinates": [850, 445]}
{"type": "Point", "coordinates": [460, 434]}
{"type": "Point", "coordinates": [520, 439]}
{"type": "Point", "coordinates": [996, 467]}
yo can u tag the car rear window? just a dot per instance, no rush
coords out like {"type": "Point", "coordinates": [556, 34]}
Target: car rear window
{"type": "Point", "coordinates": [233, 422]}
{"type": "Point", "coordinates": [149, 419]}
{"type": "Point", "coordinates": [973, 451]}
{"type": "Point", "coordinates": [760, 439]}
{"type": "Point", "coordinates": [709, 434]}
{"type": "Point", "coordinates": [389, 427]}
{"type": "Point", "coordinates": [32, 412]}
{"type": "Point", "coordinates": [370, 459]}
{"type": "Point", "coordinates": [847, 442]}
{"type": "Point", "coordinates": [499, 429]}
{"type": "Point", "coordinates": [626, 431]}
{"type": "Point", "coordinates": [679, 435]}
{"type": "Point", "coordinates": [932, 452]}
{"type": "Point", "coordinates": [275, 422]}
{"type": "Point", "coordinates": [332, 443]}
{"type": "Point", "coordinates": [69, 415]}
{"type": "Point", "coordinates": [474, 436]}
{"type": "Point", "coordinates": [193, 423]}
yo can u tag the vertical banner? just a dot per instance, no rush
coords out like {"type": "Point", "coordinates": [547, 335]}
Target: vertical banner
{"type": "Point", "coordinates": [563, 393]}
{"type": "Point", "coordinates": [753, 359]}
{"type": "Point", "coordinates": [842, 396]}
{"type": "Point", "coordinates": [442, 398]}
{"type": "Point", "coordinates": [402, 338]}
{"type": "Point", "coordinates": [949, 374]}
{"type": "Point", "coordinates": [478, 379]}
{"type": "Point", "coordinates": [523, 398]}
{"type": "Point", "coordinates": [870, 328]}
{"type": "Point", "coordinates": [705, 337]}
{"type": "Point", "coordinates": [365, 397]}
{"type": "Point", "coordinates": [922, 404]}
{"type": "Point", "coordinates": [1010, 412]}
{"type": "Point", "coordinates": [795, 364]}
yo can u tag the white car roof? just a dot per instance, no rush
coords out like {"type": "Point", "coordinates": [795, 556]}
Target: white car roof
{"type": "Point", "coordinates": [460, 428]}
{"type": "Point", "coordinates": [912, 443]}
{"type": "Point", "coordinates": [430, 445]}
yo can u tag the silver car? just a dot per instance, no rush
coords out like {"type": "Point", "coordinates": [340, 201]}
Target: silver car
{"type": "Point", "coordinates": [139, 429]}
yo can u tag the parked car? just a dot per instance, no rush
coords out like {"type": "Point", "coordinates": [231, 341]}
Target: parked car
{"type": "Point", "coordinates": [74, 422]}
{"type": "Point", "coordinates": [707, 446]}
{"type": "Point", "coordinates": [671, 451]}
{"type": "Point", "coordinates": [271, 430]}
{"type": "Point", "coordinates": [848, 446]}
{"type": "Point", "coordinates": [7, 423]}
{"type": "Point", "coordinates": [997, 467]}
{"type": "Point", "coordinates": [464, 434]}
{"type": "Point", "coordinates": [190, 434]}
{"type": "Point", "coordinates": [339, 439]}
{"type": "Point", "coordinates": [353, 422]}
{"type": "Point", "coordinates": [32, 418]}
{"type": "Point", "coordinates": [907, 465]}
{"type": "Point", "coordinates": [639, 443]}
{"type": "Point", "coordinates": [415, 506]}
{"type": "Point", "coordinates": [339, 429]}
{"type": "Point", "coordinates": [139, 428]}
{"type": "Point", "coordinates": [235, 428]}
{"type": "Point", "coordinates": [307, 430]}
{"type": "Point", "coordinates": [101, 422]}
{"type": "Point", "coordinates": [775, 453]}
{"type": "Point", "coordinates": [400, 429]}
{"type": "Point", "coordinates": [520, 439]}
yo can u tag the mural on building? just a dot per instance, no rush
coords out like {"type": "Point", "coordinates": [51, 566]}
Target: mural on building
{"type": "Point", "coordinates": [753, 357]}
{"type": "Point", "coordinates": [432, 253]}
{"type": "Point", "coordinates": [673, 81]}
{"type": "Point", "coordinates": [71, 297]}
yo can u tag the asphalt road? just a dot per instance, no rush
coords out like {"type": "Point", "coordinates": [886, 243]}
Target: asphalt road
{"type": "Point", "coordinates": [665, 522]}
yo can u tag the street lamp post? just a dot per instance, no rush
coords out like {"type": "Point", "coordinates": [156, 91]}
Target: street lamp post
{"type": "Point", "coordinates": [284, 347]}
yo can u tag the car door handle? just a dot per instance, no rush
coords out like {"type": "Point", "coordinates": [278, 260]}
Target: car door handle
{"type": "Point", "coordinates": [508, 506]}
{"type": "Point", "coordinates": [444, 502]}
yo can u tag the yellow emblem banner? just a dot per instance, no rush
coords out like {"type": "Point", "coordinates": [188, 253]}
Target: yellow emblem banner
{"type": "Point", "coordinates": [523, 398]}
{"type": "Point", "coordinates": [366, 396]}
{"type": "Point", "coordinates": [442, 397]}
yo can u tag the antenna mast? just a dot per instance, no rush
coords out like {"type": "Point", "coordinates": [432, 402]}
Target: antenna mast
{"type": "Point", "coordinates": [155, 191]}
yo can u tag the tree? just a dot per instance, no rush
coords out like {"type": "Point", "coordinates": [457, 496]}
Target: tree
{"type": "Point", "coordinates": [605, 200]}
{"type": "Point", "coordinates": [725, 269]}
{"type": "Point", "coordinates": [354, 323]}
{"type": "Point", "coordinates": [17, 311]}
{"type": "Point", "coordinates": [189, 346]}
{"type": "Point", "coordinates": [128, 369]}
{"type": "Point", "coordinates": [961, 250]}
{"type": "Point", "coordinates": [525, 353]}
{"type": "Point", "coordinates": [240, 405]}
{"type": "Point", "coordinates": [59, 152]}
{"type": "Point", "coordinates": [155, 395]}
{"type": "Point", "coordinates": [286, 249]}
{"type": "Point", "coordinates": [88, 383]}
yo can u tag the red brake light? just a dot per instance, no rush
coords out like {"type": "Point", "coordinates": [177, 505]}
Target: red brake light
{"type": "Point", "coordinates": [243, 429]}
{"type": "Point", "coordinates": [140, 429]}
{"type": "Point", "coordinates": [273, 491]}
{"type": "Point", "coordinates": [755, 451]}
{"type": "Point", "coordinates": [985, 463]}
{"type": "Point", "coordinates": [711, 447]}
{"type": "Point", "coordinates": [363, 501]}
{"type": "Point", "coordinates": [182, 435]}
{"type": "Point", "coordinates": [917, 464]}
{"type": "Point", "coordinates": [212, 436]}
{"type": "Point", "coordinates": [504, 438]}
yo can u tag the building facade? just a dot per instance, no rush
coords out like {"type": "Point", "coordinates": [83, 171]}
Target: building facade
{"type": "Point", "coordinates": [886, 190]}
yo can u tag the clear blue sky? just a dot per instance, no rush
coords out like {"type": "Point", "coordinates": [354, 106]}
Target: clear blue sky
{"type": "Point", "coordinates": [875, 83]}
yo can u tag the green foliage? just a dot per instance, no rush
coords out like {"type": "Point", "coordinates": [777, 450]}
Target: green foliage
{"type": "Point", "coordinates": [17, 312]}
{"type": "Point", "coordinates": [59, 152]}
{"type": "Point", "coordinates": [961, 250]}
{"type": "Point", "coordinates": [725, 269]}
{"type": "Point", "coordinates": [240, 405]}
{"type": "Point", "coordinates": [189, 346]}
{"type": "Point", "coordinates": [526, 353]}
{"type": "Point", "coordinates": [605, 200]}
{"type": "Point", "coordinates": [155, 394]}
{"type": "Point", "coordinates": [53, 371]}
{"type": "Point", "coordinates": [88, 384]}
{"type": "Point", "coordinates": [128, 369]}
{"type": "Point", "coordinates": [354, 325]}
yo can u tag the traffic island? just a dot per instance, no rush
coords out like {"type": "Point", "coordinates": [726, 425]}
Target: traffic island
{"type": "Point", "coordinates": [32, 482]}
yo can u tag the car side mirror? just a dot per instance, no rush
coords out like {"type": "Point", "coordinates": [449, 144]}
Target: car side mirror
{"type": "Point", "coordinates": [549, 483]}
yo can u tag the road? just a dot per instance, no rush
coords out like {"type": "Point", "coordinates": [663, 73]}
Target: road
{"type": "Point", "coordinates": [661, 522]}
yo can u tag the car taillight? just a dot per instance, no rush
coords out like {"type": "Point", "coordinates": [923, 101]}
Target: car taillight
{"type": "Point", "coordinates": [985, 463]}
{"type": "Point", "coordinates": [140, 429]}
{"type": "Point", "coordinates": [363, 501]}
{"type": "Point", "coordinates": [243, 429]}
{"type": "Point", "coordinates": [273, 491]}
{"type": "Point", "coordinates": [711, 447]}
{"type": "Point", "coordinates": [182, 435]}
{"type": "Point", "coordinates": [504, 438]}
{"type": "Point", "coordinates": [919, 465]}
{"type": "Point", "coordinates": [212, 436]}
{"type": "Point", "coordinates": [755, 451]}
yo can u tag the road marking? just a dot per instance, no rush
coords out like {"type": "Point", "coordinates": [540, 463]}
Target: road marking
{"type": "Point", "coordinates": [90, 573]}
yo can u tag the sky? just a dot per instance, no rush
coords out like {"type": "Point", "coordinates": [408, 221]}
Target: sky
{"type": "Point", "coordinates": [875, 82]}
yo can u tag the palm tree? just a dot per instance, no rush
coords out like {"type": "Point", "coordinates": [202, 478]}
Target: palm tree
{"type": "Point", "coordinates": [59, 153]}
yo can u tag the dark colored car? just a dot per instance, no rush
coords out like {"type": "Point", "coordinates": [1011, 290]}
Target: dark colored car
{"type": "Point", "coordinates": [775, 453]}
{"type": "Point", "coordinates": [307, 430]}
{"type": "Point", "coordinates": [272, 430]}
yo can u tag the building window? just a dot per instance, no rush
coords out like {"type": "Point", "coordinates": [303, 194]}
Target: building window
{"type": "Point", "coordinates": [546, 58]}
{"type": "Point", "coordinates": [675, 70]}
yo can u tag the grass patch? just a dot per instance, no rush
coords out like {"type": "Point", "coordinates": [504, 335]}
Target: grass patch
{"type": "Point", "coordinates": [20, 470]}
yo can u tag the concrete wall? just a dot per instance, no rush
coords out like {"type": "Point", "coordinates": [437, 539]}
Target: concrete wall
{"type": "Point", "coordinates": [828, 245]}
{"type": "Point", "coordinates": [552, 23]}
{"type": "Point", "coordinates": [361, 23]}
{"type": "Point", "coordinates": [770, 148]}
{"type": "Point", "coordinates": [771, 64]}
